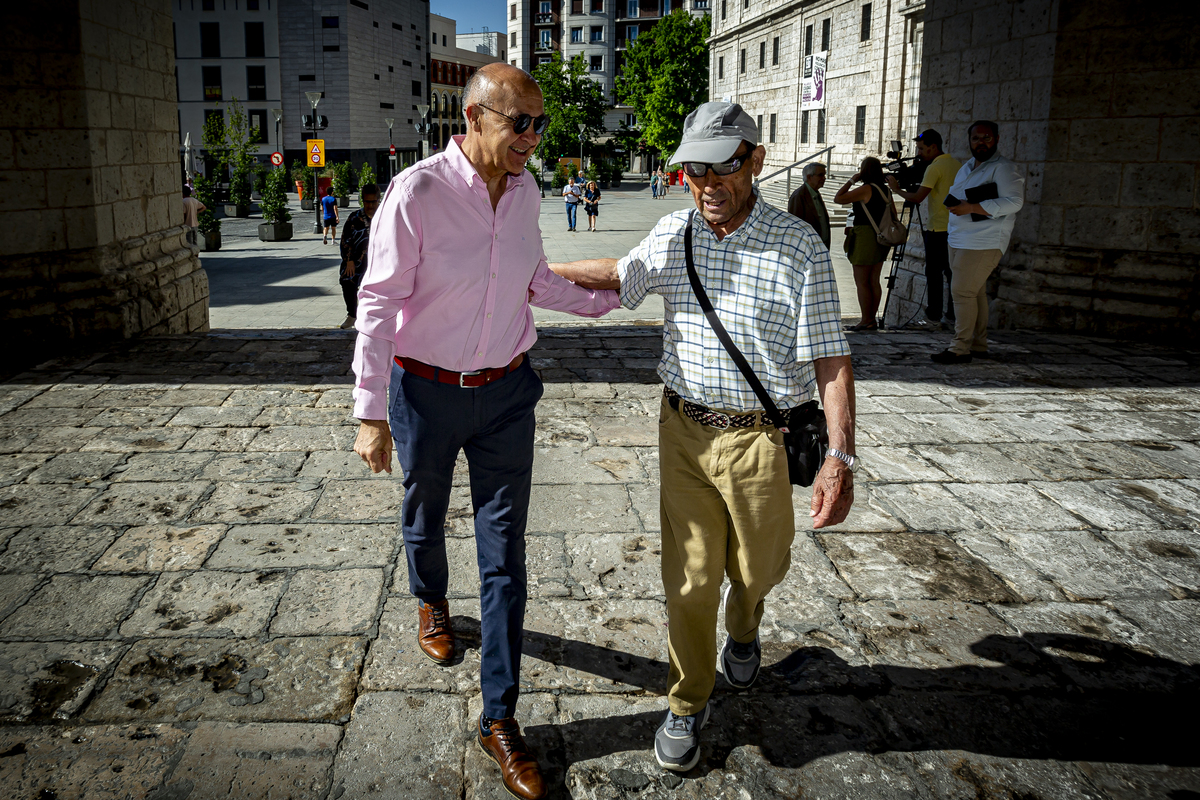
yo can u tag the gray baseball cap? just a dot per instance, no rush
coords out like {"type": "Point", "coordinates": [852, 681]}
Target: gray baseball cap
{"type": "Point", "coordinates": [713, 132]}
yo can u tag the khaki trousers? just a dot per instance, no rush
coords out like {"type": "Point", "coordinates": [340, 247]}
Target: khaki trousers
{"type": "Point", "coordinates": [969, 271]}
{"type": "Point", "coordinates": [726, 509]}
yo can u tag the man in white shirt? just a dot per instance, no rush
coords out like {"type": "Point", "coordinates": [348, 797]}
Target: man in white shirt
{"type": "Point", "coordinates": [979, 233]}
{"type": "Point", "coordinates": [572, 194]}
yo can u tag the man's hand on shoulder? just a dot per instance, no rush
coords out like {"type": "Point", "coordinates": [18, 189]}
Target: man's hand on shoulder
{"type": "Point", "coordinates": [594, 274]}
{"type": "Point", "coordinates": [833, 493]}
{"type": "Point", "coordinates": [374, 444]}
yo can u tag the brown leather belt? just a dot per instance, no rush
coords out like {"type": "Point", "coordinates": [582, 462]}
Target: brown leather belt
{"type": "Point", "coordinates": [465, 380]}
{"type": "Point", "coordinates": [715, 419]}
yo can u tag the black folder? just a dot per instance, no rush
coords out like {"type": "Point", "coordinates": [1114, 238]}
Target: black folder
{"type": "Point", "coordinates": [975, 194]}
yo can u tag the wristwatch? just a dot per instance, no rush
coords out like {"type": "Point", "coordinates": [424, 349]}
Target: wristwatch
{"type": "Point", "coordinates": [851, 461]}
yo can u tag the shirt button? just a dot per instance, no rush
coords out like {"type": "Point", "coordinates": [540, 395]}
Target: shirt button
{"type": "Point", "coordinates": [493, 274]}
{"type": "Point", "coordinates": [489, 316]}
{"type": "Point", "coordinates": [479, 353]}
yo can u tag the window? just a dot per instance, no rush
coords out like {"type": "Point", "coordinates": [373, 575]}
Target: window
{"type": "Point", "coordinates": [397, 26]}
{"type": "Point", "coordinates": [252, 5]}
{"type": "Point", "coordinates": [544, 7]}
{"type": "Point", "coordinates": [720, 68]}
{"type": "Point", "coordinates": [387, 105]}
{"type": "Point", "coordinates": [775, 52]}
{"type": "Point", "coordinates": [631, 120]}
{"type": "Point", "coordinates": [808, 40]}
{"type": "Point", "coordinates": [758, 123]}
{"type": "Point", "coordinates": [307, 78]}
{"type": "Point", "coordinates": [512, 11]}
{"type": "Point", "coordinates": [512, 39]}
{"type": "Point", "coordinates": [825, 23]}
{"type": "Point", "coordinates": [772, 138]}
{"type": "Point", "coordinates": [762, 54]}
{"type": "Point", "coordinates": [804, 127]}
{"type": "Point", "coordinates": [865, 33]}
{"type": "Point", "coordinates": [545, 41]}
{"type": "Point", "coordinates": [723, 9]}
{"type": "Point", "coordinates": [631, 8]}
{"type": "Point", "coordinates": [376, 76]}
{"type": "Point", "coordinates": [331, 48]}
{"type": "Point", "coordinates": [210, 40]}
{"type": "Point", "coordinates": [208, 5]}
{"type": "Point", "coordinates": [860, 125]}
{"type": "Point", "coordinates": [211, 78]}
{"type": "Point", "coordinates": [597, 6]}
{"type": "Point", "coordinates": [745, 3]}
{"type": "Point", "coordinates": [256, 83]}
{"type": "Point", "coordinates": [416, 88]}
{"type": "Point", "coordinates": [631, 33]}
{"type": "Point", "coordinates": [443, 40]}
{"type": "Point", "coordinates": [596, 33]}
{"type": "Point", "coordinates": [742, 61]}
{"type": "Point", "coordinates": [545, 59]}
{"type": "Point", "coordinates": [576, 35]}
{"type": "Point", "coordinates": [255, 47]}
{"type": "Point", "coordinates": [391, 68]}
{"type": "Point", "coordinates": [329, 22]}
{"type": "Point", "coordinates": [820, 126]}
{"type": "Point", "coordinates": [356, 3]}
{"type": "Point", "coordinates": [406, 63]}
{"type": "Point", "coordinates": [597, 63]}
{"type": "Point", "coordinates": [258, 124]}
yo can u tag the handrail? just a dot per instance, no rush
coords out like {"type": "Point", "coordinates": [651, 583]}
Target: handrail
{"type": "Point", "coordinates": [793, 166]}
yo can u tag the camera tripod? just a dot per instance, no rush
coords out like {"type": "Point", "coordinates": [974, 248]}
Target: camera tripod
{"type": "Point", "coordinates": [910, 212]}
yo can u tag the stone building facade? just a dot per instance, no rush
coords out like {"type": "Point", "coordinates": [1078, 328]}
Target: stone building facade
{"type": "Point", "coordinates": [1097, 101]}
{"type": "Point", "coordinates": [94, 244]}
{"type": "Point", "coordinates": [450, 68]}
{"type": "Point", "coordinates": [761, 51]}
{"type": "Point", "coordinates": [371, 62]}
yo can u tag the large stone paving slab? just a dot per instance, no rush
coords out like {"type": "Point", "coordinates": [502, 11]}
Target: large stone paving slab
{"type": "Point", "coordinates": [141, 503]}
{"type": "Point", "coordinates": [74, 606]}
{"type": "Point", "coordinates": [327, 602]}
{"type": "Point", "coordinates": [268, 501]}
{"type": "Point", "coordinates": [39, 504]}
{"type": "Point", "coordinates": [306, 545]}
{"type": "Point", "coordinates": [301, 679]}
{"type": "Point", "coordinates": [207, 603]}
{"type": "Point", "coordinates": [160, 548]}
{"type": "Point", "coordinates": [62, 548]}
{"type": "Point", "coordinates": [1084, 566]}
{"type": "Point", "coordinates": [46, 681]}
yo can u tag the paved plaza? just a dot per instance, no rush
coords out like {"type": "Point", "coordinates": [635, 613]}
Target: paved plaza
{"type": "Point", "coordinates": [203, 591]}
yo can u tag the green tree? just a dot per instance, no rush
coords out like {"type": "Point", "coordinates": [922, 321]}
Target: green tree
{"type": "Point", "coordinates": [570, 98]}
{"type": "Point", "coordinates": [665, 76]}
{"type": "Point", "coordinates": [341, 179]}
{"type": "Point", "coordinates": [232, 144]}
{"type": "Point", "coordinates": [274, 197]}
{"type": "Point", "coordinates": [365, 175]}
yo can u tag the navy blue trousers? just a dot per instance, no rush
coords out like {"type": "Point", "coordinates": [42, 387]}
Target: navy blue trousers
{"type": "Point", "coordinates": [494, 426]}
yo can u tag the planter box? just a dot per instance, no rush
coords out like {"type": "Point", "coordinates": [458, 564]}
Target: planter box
{"type": "Point", "coordinates": [275, 231]}
{"type": "Point", "coordinates": [616, 183]}
{"type": "Point", "coordinates": [211, 240]}
{"type": "Point", "coordinates": [604, 184]}
{"type": "Point", "coordinates": [237, 211]}
{"type": "Point", "coordinates": [306, 203]}
{"type": "Point", "coordinates": [343, 202]}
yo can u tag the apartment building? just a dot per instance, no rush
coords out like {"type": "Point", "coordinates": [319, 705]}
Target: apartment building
{"type": "Point", "coordinates": [598, 30]}
{"type": "Point", "coordinates": [831, 73]}
{"type": "Point", "coordinates": [452, 65]}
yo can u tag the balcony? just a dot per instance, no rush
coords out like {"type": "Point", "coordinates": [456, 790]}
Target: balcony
{"type": "Point", "coordinates": [543, 19]}
{"type": "Point", "coordinates": [543, 47]}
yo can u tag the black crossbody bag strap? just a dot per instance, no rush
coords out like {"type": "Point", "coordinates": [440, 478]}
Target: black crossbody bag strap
{"type": "Point", "coordinates": [773, 413]}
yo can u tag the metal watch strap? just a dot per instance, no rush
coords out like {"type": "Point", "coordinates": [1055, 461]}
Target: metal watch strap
{"type": "Point", "coordinates": [849, 460]}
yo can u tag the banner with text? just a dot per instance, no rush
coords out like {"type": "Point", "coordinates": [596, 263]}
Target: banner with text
{"type": "Point", "coordinates": [812, 93]}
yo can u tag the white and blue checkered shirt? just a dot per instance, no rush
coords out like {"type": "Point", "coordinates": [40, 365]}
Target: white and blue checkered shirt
{"type": "Point", "coordinates": [772, 285]}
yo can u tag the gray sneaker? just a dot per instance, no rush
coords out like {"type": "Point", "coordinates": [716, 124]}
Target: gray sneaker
{"type": "Point", "coordinates": [739, 662]}
{"type": "Point", "coordinates": [677, 741]}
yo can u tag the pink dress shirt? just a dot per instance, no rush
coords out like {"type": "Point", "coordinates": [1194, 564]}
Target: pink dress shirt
{"type": "Point", "coordinates": [448, 280]}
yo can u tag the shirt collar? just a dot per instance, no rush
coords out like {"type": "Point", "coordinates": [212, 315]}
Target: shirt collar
{"type": "Point", "coordinates": [462, 165]}
{"type": "Point", "coordinates": [750, 221]}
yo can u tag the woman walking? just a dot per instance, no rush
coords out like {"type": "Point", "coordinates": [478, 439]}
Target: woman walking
{"type": "Point", "coordinates": [865, 253]}
{"type": "Point", "coordinates": [591, 204]}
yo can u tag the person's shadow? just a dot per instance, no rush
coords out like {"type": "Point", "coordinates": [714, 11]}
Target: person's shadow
{"type": "Point", "coordinates": [1052, 697]}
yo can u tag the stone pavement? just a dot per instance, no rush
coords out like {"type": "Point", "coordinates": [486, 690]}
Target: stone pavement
{"type": "Point", "coordinates": [293, 284]}
{"type": "Point", "coordinates": [203, 592]}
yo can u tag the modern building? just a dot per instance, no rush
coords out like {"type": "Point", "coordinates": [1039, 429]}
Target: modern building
{"type": "Point", "coordinates": [451, 66]}
{"type": "Point", "coordinates": [833, 73]}
{"type": "Point", "coordinates": [227, 52]}
{"type": "Point", "coordinates": [492, 43]}
{"type": "Point", "coordinates": [370, 62]}
{"type": "Point", "coordinates": [598, 30]}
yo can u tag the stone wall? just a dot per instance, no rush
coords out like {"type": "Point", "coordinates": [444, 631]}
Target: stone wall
{"type": "Point", "coordinates": [1097, 101]}
{"type": "Point", "coordinates": [91, 207]}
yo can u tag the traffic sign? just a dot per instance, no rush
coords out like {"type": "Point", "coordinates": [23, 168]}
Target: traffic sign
{"type": "Point", "coordinates": [391, 149]}
{"type": "Point", "coordinates": [316, 152]}
{"type": "Point", "coordinates": [277, 158]}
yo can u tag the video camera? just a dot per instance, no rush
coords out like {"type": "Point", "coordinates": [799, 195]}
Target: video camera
{"type": "Point", "coordinates": [909, 176]}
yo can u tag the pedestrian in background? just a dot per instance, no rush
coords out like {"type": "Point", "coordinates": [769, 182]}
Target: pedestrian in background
{"type": "Point", "coordinates": [591, 204]}
{"type": "Point", "coordinates": [191, 214]}
{"type": "Point", "coordinates": [865, 252]}
{"type": "Point", "coordinates": [330, 213]}
{"type": "Point", "coordinates": [572, 194]}
{"type": "Point", "coordinates": [807, 204]}
{"type": "Point", "coordinates": [935, 185]}
{"type": "Point", "coordinates": [984, 200]}
{"type": "Point", "coordinates": [654, 185]}
{"type": "Point", "coordinates": [664, 182]}
{"type": "Point", "coordinates": [356, 236]}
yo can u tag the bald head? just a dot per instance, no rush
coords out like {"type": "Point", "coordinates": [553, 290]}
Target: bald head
{"type": "Point", "coordinates": [497, 83]}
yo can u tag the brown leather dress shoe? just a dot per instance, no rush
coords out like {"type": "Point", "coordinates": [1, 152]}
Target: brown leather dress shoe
{"type": "Point", "coordinates": [518, 766]}
{"type": "Point", "coordinates": [434, 634]}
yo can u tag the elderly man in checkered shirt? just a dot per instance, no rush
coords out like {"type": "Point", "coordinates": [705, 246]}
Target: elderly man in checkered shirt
{"type": "Point", "coordinates": [726, 503]}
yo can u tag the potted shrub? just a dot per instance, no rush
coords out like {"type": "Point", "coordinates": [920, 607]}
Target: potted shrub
{"type": "Point", "coordinates": [209, 225]}
{"type": "Point", "coordinates": [341, 183]}
{"type": "Point", "coordinates": [277, 225]}
{"type": "Point", "coordinates": [260, 172]}
{"type": "Point", "coordinates": [615, 174]}
{"type": "Point", "coordinates": [304, 185]}
{"type": "Point", "coordinates": [366, 175]}
{"type": "Point", "coordinates": [239, 194]}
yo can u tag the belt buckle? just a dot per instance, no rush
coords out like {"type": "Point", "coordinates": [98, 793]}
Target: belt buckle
{"type": "Point", "coordinates": [462, 376]}
{"type": "Point", "coordinates": [718, 416]}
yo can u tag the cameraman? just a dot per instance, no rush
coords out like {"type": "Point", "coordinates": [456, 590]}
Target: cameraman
{"type": "Point", "coordinates": [939, 176]}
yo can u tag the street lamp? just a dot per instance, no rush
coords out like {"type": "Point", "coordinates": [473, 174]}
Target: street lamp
{"type": "Point", "coordinates": [581, 127]}
{"type": "Point", "coordinates": [277, 113]}
{"type": "Point", "coordinates": [314, 98]}
{"type": "Point", "coordinates": [423, 129]}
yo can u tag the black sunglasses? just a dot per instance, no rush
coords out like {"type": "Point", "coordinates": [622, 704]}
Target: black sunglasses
{"type": "Point", "coordinates": [698, 169]}
{"type": "Point", "coordinates": [521, 123]}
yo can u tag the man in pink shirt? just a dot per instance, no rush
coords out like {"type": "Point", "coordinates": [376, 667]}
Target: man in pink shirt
{"type": "Point", "coordinates": [444, 320]}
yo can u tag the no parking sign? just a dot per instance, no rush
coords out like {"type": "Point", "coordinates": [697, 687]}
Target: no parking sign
{"type": "Point", "coordinates": [277, 158]}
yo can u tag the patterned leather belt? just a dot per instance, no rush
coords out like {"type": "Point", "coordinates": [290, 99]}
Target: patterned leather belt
{"type": "Point", "coordinates": [465, 380]}
{"type": "Point", "coordinates": [714, 419]}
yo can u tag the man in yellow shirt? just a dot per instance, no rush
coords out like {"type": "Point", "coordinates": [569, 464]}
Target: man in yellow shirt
{"type": "Point", "coordinates": [939, 177]}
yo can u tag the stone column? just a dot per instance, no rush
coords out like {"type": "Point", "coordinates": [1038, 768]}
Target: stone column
{"type": "Point", "coordinates": [94, 244]}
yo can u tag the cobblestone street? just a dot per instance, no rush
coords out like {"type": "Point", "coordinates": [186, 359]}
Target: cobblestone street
{"type": "Point", "coordinates": [204, 594]}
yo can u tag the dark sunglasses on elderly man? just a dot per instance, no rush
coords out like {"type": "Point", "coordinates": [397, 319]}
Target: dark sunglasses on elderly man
{"type": "Point", "coordinates": [521, 123]}
{"type": "Point", "coordinates": [697, 169]}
